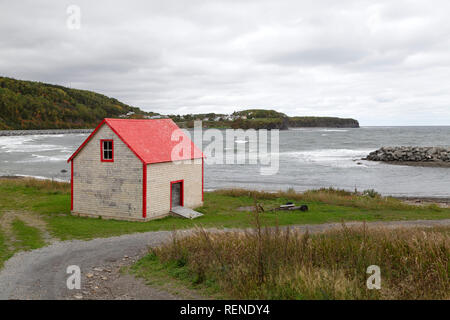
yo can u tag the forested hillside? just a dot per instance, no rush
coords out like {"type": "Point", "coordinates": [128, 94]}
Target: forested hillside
{"type": "Point", "coordinates": [36, 105]}
{"type": "Point", "coordinates": [323, 122]}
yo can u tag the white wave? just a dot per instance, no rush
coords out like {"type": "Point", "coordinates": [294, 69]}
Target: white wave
{"type": "Point", "coordinates": [32, 148]}
{"type": "Point", "coordinates": [40, 177]}
{"type": "Point", "coordinates": [331, 157]}
{"type": "Point", "coordinates": [300, 129]}
{"type": "Point", "coordinates": [318, 130]}
{"type": "Point", "coordinates": [6, 141]}
{"type": "Point", "coordinates": [42, 158]}
{"type": "Point", "coordinates": [67, 150]}
{"type": "Point", "coordinates": [332, 130]}
{"type": "Point", "coordinates": [39, 136]}
{"type": "Point", "coordinates": [22, 144]}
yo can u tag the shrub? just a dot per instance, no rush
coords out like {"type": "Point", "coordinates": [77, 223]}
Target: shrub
{"type": "Point", "coordinates": [371, 193]}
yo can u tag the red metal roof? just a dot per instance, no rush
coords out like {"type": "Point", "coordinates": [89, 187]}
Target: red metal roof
{"type": "Point", "coordinates": [150, 140]}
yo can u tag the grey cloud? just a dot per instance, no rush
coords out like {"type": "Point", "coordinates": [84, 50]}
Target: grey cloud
{"type": "Point", "coordinates": [382, 62]}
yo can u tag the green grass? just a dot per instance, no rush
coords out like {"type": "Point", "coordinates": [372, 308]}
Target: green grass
{"type": "Point", "coordinates": [27, 238]}
{"type": "Point", "coordinates": [278, 264]}
{"type": "Point", "coordinates": [52, 201]}
{"type": "Point", "coordinates": [5, 253]}
{"type": "Point", "coordinates": [221, 211]}
{"type": "Point", "coordinates": [172, 277]}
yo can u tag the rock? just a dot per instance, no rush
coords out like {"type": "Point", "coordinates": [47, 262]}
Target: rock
{"type": "Point", "coordinates": [414, 154]}
{"type": "Point", "coordinates": [89, 275]}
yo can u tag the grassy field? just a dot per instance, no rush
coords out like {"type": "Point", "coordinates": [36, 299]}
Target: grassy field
{"type": "Point", "coordinates": [29, 238]}
{"type": "Point", "coordinates": [43, 207]}
{"type": "Point", "coordinates": [271, 263]}
{"type": "Point", "coordinates": [5, 253]}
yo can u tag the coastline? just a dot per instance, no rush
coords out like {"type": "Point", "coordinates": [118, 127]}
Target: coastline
{"type": "Point", "coordinates": [43, 132]}
{"type": "Point", "coordinates": [24, 176]}
{"type": "Point", "coordinates": [429, 164]}
{"type": "Point", "coordinates": [207, 125]}
{"type": "Point", "coordinates": [414, 200]}
{"type": "Point", "coordinates": [422, 201]}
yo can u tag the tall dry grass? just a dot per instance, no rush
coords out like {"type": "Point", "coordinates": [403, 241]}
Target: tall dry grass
{"type": "Point", "coordinates": [45, 185]}
{"type": "Point", "coordinates": [275, 263]}
{"type": "Point", "coordinates": [367, 199]}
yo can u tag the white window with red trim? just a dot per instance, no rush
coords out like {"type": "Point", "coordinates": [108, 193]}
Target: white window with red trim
{"type": "Point", "coordinates": [107, 150]}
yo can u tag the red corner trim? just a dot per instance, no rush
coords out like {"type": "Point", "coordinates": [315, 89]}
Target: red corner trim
{"type": "Point", "coordinates": [123, 140]}
{"type": "Point", "coordinates": [181, 191]}
{"type": "Point", "coordinates": [71, 185]}
{"type": "Point", "coordinates": [86, 141]}
{"type": "Point", "coordinates": [203, 175]}
{"type": "Point", "coordinates": [92, 134]}
{"type": "Point", "coordinates": [144, 190]}
{"type": "Point", "coordinates": [101, 150]}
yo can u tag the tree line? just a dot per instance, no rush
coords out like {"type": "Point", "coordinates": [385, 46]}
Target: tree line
{"type": "Point", "coordinates": [36, 105]}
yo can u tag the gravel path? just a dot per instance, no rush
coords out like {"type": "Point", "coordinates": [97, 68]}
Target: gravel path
{"type": "Point", "coordinates": [41, 274]}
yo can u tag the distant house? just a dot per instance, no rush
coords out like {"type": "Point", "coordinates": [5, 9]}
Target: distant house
{"type": "Point", "coordinates": [126, 169]}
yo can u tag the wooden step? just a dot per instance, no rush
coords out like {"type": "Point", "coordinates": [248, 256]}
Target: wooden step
{"type": "Point", "coordinates": [186, 212]}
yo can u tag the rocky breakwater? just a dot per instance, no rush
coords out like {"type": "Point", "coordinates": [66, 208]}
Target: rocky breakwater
{"type": "Point", "coordinates": [426, 156]}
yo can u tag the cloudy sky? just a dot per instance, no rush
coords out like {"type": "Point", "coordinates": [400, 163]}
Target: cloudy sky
{"type": "Point", "coordinates": [381, 62]}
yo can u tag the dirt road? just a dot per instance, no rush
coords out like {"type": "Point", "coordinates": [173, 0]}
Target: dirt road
{"type": "Point", "coordinates": [41, 274]}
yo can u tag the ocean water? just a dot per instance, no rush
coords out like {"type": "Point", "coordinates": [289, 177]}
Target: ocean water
{"type": "Point", "coordinates": [309, 158]}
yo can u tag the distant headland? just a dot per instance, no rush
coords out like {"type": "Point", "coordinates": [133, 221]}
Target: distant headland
{"type": "Point", "coordinates": [261, 119]}
{"type": "Point", "coordinates": [30, 105]}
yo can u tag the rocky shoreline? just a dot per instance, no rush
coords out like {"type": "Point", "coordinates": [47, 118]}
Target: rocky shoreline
{"type": "Point", "coordinates": [47, 131]}
{"type": "Point", "coordinates": [418, 156]}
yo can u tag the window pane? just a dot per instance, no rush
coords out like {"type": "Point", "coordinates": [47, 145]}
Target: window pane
{"type": "Point", "coordinates": [107, 150]}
